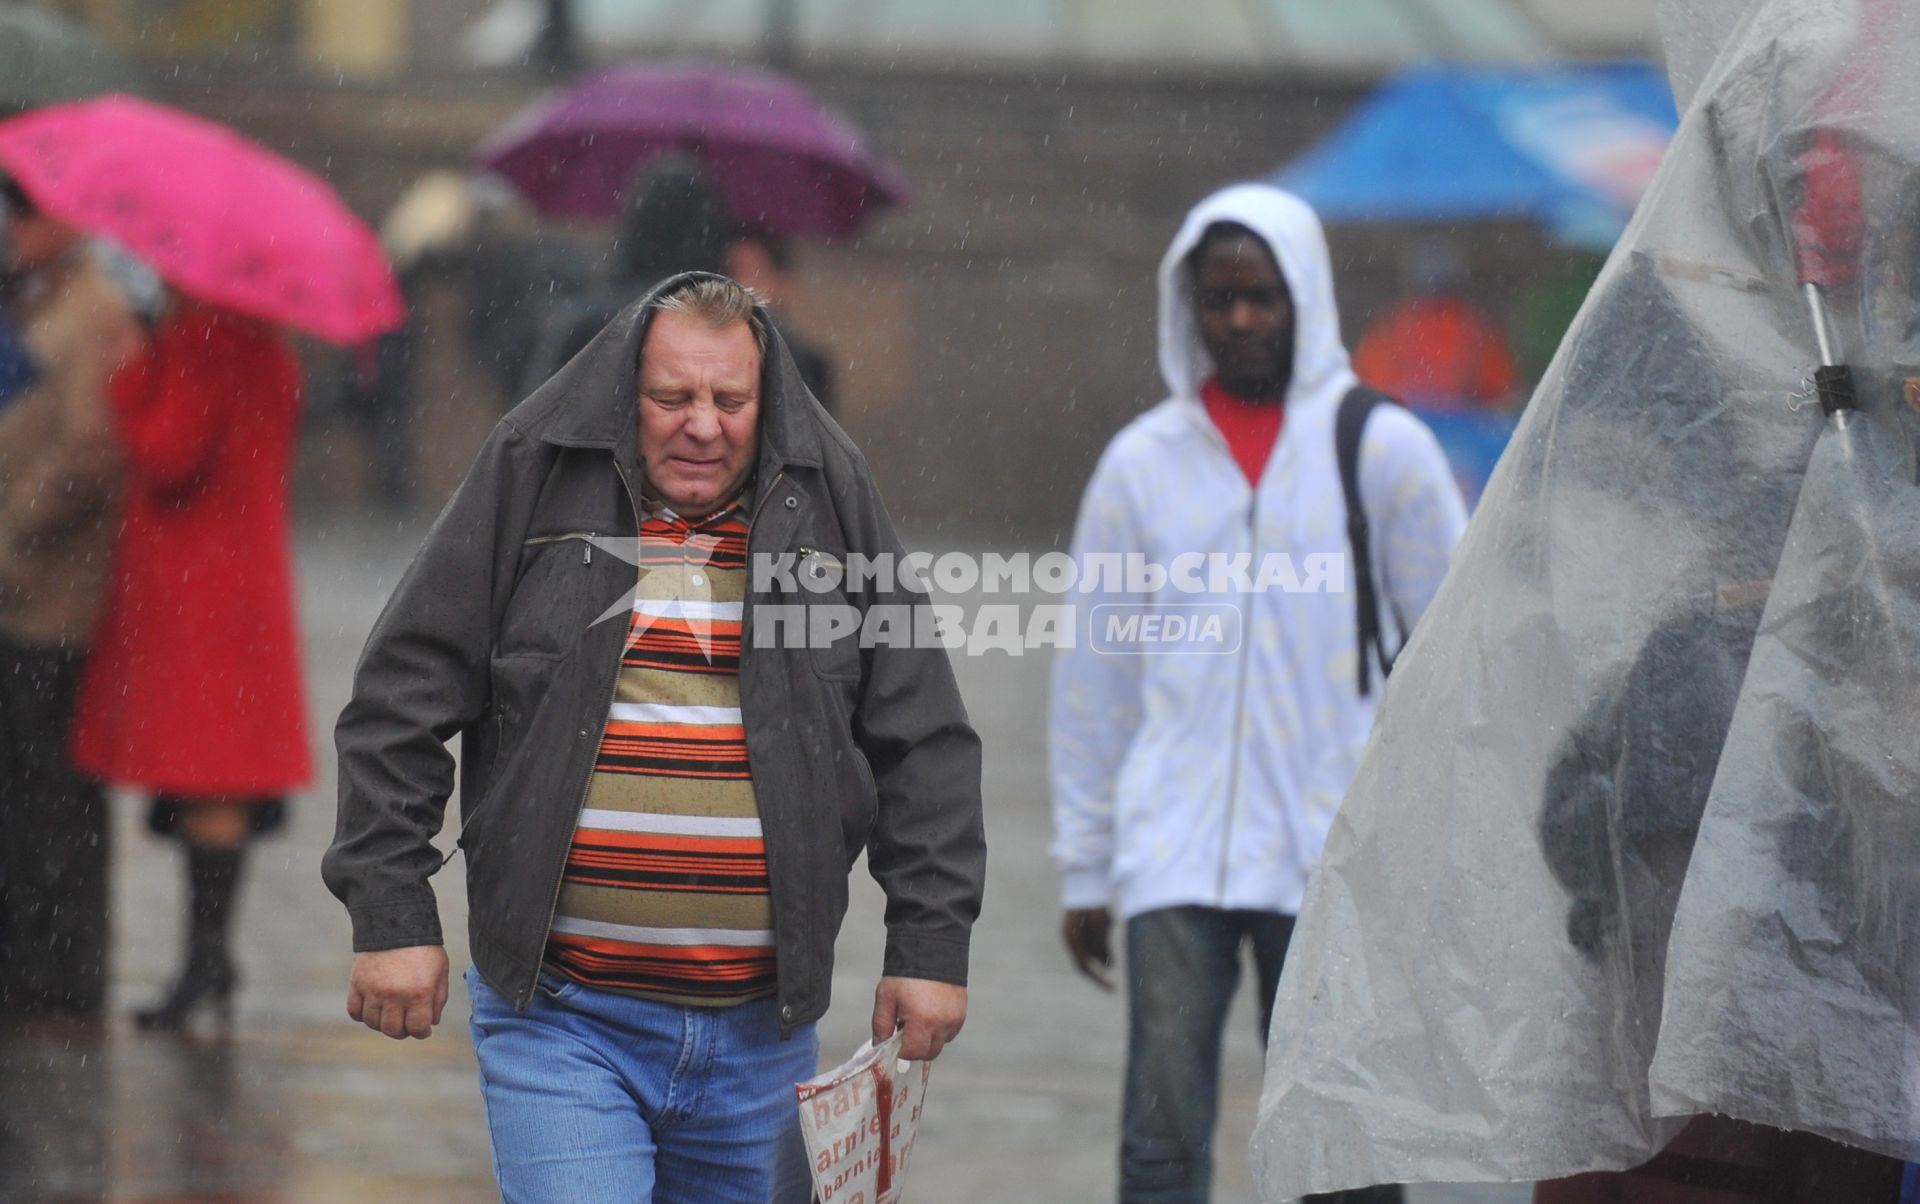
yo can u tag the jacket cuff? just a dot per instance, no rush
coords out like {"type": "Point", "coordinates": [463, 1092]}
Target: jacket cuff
{"type": "Point", "coordinates": [1085, 889]}
{"type": "Point", "coordinates": [916, 955]}
{"type": "Point", "coordinates": [398, 925]}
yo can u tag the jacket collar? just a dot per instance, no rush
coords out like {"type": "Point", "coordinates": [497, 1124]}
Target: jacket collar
{"type": "Point", "coordinates": [594, 400]}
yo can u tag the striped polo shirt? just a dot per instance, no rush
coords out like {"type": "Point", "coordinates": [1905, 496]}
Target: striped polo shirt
{"type": "Point", "coordinates": [665, 894]}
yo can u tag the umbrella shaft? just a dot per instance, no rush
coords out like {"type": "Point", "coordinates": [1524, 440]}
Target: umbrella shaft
{"type": "Point", "coordinates": [1821, 335]}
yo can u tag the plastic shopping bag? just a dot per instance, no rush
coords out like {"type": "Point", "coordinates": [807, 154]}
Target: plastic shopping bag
{"type": "Point", "coordinates": [859, 1120]}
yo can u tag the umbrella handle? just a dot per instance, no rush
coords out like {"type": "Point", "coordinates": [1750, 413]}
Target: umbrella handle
{"type": "Point", "coordinates": [1832, 381]}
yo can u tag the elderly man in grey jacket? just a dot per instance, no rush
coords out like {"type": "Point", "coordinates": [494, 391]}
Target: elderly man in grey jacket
{"type": "Point", "coordinates": [660, 802]}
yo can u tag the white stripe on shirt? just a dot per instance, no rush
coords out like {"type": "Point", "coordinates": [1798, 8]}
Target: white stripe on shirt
{"type": "Point", "coordinates": [685, 608]}
{"type": "Point", "coordinates": [662, 936]}
{"type": "Point", "coordinates": [669, 825]}
{"type": "Point", "coordinates": [656, 712]}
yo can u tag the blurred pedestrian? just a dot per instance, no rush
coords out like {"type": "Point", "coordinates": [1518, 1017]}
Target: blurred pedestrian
{"type": "Point", "coordinates": [1435, 348]}
{"type": "Point", "coordinates": [375, 392]}
{"type": "Point", "coordinates": [433, 236]}
{"type": "Point", "coordinates": [473, 235]}
{"type": "Point", "coordinates": [763, 261]}
{"type": "Point", "coordinates": [17, 369]}
{"type": "Point", "coordinates": [375, 381]}
{"type": "Point", "coordinates": [658, 820]}
{"type": "Point", "coordinates": [674, 221]}
{"type": "Point", "coordinates": [194, 692]}
{"type": "Point", "coordinates": [515, 270]}
{"type": "Point", "coordinates": [1193, 792]}
{"type": "Point", "coordinates": [59, 474]}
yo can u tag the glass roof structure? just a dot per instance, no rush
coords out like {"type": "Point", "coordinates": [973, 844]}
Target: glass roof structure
{"type": "Point", "coordinates": [1320, 35]}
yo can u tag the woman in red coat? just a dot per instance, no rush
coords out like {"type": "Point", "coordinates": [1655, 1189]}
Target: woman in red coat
{"type": "Point", "coordinates": [194, 689]}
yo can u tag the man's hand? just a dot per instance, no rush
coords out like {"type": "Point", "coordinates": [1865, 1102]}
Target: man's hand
{"type": "Point", "coordinates": [399, 992]}
{"type": "Point", "coordinates": [1087, 931]}
{"type": "Point", "coordinates": [930, 1012]}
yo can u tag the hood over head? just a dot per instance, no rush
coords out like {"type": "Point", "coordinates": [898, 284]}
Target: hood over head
{"type": "Point", "coordinates": [593, 401]}
{"type": "Point", "coordinates": [672, 220]}
{"type": "Point", "coordinates": [1292, 231]}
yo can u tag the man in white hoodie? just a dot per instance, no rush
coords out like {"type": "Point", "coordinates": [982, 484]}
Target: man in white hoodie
{"type": "Point", "coordinates": [1194, 782]}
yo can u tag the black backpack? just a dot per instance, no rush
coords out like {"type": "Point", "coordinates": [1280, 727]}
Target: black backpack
{"type": "Point", "coordinates": [1355, 408]}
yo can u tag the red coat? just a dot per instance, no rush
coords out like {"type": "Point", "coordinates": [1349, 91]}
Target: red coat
{"type": "Point", "coordinates": [194, 683]}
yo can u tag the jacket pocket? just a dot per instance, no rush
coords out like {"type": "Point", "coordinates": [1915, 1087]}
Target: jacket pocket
{"type": "Point", "coordinates": [517, 685]}
{"type": "Point", "coordinates": [833, 620]}
{"type": "Point", "coordinates": [565, 584]}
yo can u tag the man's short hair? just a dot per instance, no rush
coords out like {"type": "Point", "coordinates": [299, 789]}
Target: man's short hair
{"type": "Point", "coordinates": [719, 302]}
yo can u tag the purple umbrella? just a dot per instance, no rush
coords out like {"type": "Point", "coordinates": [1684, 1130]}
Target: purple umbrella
{"type": "Point", "coordinates": [782, 160]}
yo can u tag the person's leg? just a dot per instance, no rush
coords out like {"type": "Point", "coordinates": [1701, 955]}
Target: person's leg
{"type": "Point", "coordinates": [1271, 932]}
{"type": "Point", "coordinates": [215, 834]}
{"type": "Point", "coordinates": [1182, 964]}
{"type": "Point", "coordinates": [53, 842]}
{"type": "Point", "coordinates": [18, 784]}
{"type": "Point", "coordinates": [732, 1132]}
{"type": "Point", "coordinates": [563, 1119]}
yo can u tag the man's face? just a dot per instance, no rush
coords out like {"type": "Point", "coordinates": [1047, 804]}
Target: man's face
{"type": "Point", "coordinates": [699, 411]}
{"type": "Point", "coordinates": [1246, 316]}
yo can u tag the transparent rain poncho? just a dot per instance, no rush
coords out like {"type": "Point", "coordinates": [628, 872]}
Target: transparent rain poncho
{"type": "Point", "coordinates": [1638, 833]}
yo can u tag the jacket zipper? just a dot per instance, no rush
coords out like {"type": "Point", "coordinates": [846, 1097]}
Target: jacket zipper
{"type": "Point", "coordinates": [819, 558]}
{"type": "Point", "coordinates": [585, 537]}
{"type": "Point", "coordinates": [613, 691]}
{"type": "Point", "coordinates": [753, 520]}
{"type": "Point", "coordinates": [1240, 703]}
{"type": "Point", "coordinates": [746, 643]}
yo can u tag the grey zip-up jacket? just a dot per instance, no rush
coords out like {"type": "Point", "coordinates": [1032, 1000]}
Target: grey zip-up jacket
{"type": "Point", "coordinates": [492, 636]}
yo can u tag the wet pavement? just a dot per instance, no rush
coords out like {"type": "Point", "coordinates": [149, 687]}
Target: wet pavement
{"type": "Point", "coordinates": [295, 1103]}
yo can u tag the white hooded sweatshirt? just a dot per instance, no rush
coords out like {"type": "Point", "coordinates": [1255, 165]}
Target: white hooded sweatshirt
{"type": "Point", "coordinates": [1210, 774]}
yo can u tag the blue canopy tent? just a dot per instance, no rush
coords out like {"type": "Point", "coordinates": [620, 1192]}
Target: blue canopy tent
{"type": "Point", "coordinates": [1570, 147]}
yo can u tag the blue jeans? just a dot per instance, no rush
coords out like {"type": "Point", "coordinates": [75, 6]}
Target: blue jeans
{"type": "Point", "coordinates": [1183, 964]}
{"type": "Point", "coordinates": [593, 1096]}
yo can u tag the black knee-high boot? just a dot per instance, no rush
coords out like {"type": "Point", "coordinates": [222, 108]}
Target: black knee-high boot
{"type": "Point", "coordinates": [208, 978]}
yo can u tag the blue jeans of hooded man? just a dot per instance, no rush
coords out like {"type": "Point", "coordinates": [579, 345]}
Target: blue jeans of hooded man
{"type": "Point", "coordinates": [593, 1096]}
{"type": "Point", "coordinates": [1183, 964]}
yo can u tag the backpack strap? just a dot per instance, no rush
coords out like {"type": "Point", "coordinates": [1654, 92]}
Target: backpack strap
{"type": "Point", "coordinates": [1355, 408]}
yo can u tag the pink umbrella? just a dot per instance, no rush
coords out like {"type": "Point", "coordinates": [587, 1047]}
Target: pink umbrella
{"type": "Point", "coordinates": [217, 215]}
